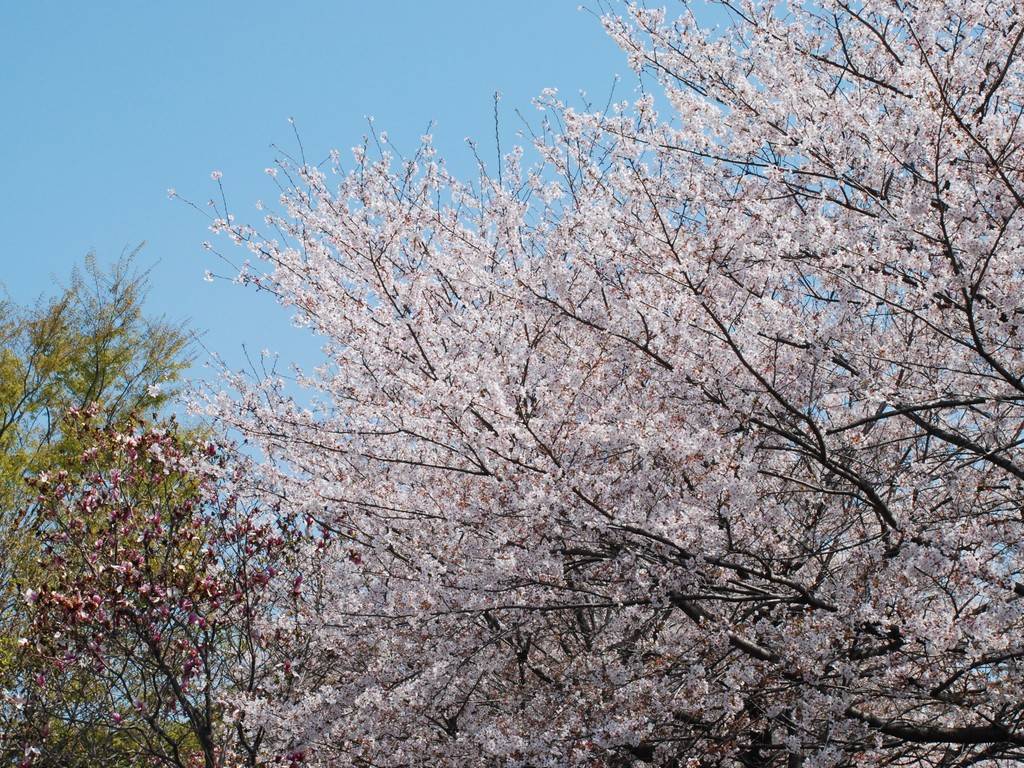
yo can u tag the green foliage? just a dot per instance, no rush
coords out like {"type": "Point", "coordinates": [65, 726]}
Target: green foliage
{"type": "Point", "coordinates": [92, 344]}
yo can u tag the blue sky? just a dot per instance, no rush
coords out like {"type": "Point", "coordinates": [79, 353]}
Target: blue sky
{"type": "Point", "coordinates": [108, 104]}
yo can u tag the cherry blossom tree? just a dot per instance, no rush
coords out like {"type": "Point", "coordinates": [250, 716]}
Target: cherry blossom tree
{"type": "Point", "coordinates": [143, 626]}
{"type": "Point", "coordinates": [696, 442]}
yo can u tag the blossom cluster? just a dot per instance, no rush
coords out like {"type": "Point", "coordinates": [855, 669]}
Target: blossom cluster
{"type": "Point", "coordinates": [698, 442]}
{"type": "Point", "coordinates": [156, 574]}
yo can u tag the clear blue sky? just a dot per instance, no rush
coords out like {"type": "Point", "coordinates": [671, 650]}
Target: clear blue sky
{"type": "Point", "coordinates": [105, 105]}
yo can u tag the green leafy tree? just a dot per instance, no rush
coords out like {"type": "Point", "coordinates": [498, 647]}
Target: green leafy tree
{"type": "Point", "coordinates": [92, 345]}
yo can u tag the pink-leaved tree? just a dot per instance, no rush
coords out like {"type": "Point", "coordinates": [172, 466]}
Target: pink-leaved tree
{"type": "Point", "coordinates": [155, 605]}
{"type": "Point", "coordinates": [698, 441]}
